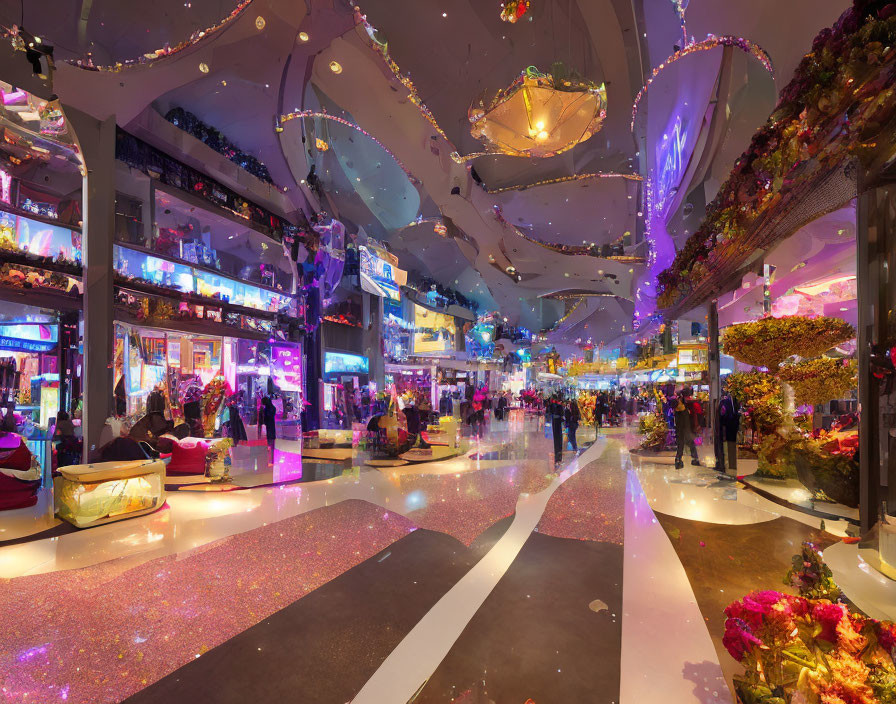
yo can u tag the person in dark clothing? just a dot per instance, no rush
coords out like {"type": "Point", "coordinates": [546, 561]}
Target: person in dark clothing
{"type": "Point", "coordinates": [270, 423]}
{"type": "Point", "coordinates": [686, 414]}
{"type": "Point", "coordinates": [726, 436]}
{"type": "Point", "coordinates": [555, 408]}
{"type": "Point", "coordinates": [237, 428]}
{"type": "Point", "coordinates": [501, 408]}
{"type": "Point", "coordinates": [572, 423]}
{"type": "Point", "coordinates": [557, 430]}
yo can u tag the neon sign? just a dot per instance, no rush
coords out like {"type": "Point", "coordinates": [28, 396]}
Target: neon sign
{"type": "Point", "coordinates": [671, 164]}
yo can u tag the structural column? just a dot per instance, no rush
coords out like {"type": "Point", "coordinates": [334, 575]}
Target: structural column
{"type": "Point", "coordinates": [372, 340]}
{"type": "Point", "coordinates": [97, 141]}
{"type": "Point", "coordinates": [875, 238]}
{"type": "Point", "coordinates": [715, 383]}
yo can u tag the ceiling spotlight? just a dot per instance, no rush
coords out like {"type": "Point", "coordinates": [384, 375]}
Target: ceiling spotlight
{"type": "Point", "coordinates": [203, 67]}
{"type": "Point", "coordinates": [259, 23]}
{"type": "Point", "coordinates": [335, 67]}
{"type": "Point", "coordinates": [303, 36]}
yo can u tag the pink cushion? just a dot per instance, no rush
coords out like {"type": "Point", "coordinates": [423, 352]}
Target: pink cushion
{"type": "Point", "coordinates": [188, 457]}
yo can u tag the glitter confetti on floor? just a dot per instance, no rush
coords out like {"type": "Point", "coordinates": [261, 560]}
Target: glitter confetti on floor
{"type": "Point", "coordinates": [97, 635]}
{"type": "Point", "coordinates": [590, 505]}
{"type": "Point", "coordinates": [465, 504]}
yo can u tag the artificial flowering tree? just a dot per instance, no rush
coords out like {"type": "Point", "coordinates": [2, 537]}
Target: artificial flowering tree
{"type": "Point", "coordinates": [789, 370]}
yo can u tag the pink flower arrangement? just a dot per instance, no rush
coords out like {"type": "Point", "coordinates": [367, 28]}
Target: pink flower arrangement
{"type": "Point", "coordinates": [809, 650]}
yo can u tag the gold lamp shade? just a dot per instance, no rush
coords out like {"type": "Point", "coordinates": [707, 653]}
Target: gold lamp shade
{"type": "Point", "coordinates": [539, 115]}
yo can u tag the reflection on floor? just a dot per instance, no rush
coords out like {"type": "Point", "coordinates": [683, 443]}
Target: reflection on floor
{"type": "Point", "coordinates": [483, 579]}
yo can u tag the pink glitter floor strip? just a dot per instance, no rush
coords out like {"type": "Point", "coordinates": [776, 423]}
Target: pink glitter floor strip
{"type": "Point", "coordinates": [99, 634]}
{"type": "Point", "coordinates": [591, 504]}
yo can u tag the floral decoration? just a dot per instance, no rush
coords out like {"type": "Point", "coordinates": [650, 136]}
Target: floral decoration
{"type": "Point", "coordinates": [770, 341]}
{"type": "Point", "coordinates": [820, 380]}
{"type": "Point", "coordinates": [587, 403]}
{"type": "Point", "coordinates": [839, 105]}
{"type": "Point", "coordinates": [513, 10]}
{"type": "Point", "coordinates": [655, 430]}
{"type": "Point", "coordinates": [166, 50]}
{"type": "Point", "coordinates": [811, 577]}
{"type": "Point", "coordinates": [799, 650]}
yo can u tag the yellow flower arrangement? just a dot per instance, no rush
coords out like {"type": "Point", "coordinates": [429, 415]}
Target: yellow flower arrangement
{"type": "Point", "coordinates": [820, 380]}
{"type": "Point", "coordinates": [770, 341]}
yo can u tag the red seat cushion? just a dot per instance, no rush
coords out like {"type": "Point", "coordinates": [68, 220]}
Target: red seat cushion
{"type": "Point", "coordinates": [188, 457]}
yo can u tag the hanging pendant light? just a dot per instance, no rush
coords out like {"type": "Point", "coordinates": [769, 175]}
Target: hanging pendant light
{"type": "Point", "coordinates": [540, 115]}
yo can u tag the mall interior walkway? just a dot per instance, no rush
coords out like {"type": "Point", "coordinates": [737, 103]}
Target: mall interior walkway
{"type": "Point", "coordinates": [491, 578]}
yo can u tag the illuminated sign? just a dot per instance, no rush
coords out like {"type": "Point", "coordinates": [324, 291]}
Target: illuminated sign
{"type": "Point", "coordinates": [433, 332]}
{"type": "Point", "coordinates": [16, 343]}
{"type": "Point", "coordinates": [286, 367]}
{"type": "Point", "coordinates": [671, 163]}
{"type": "Point", "coordinates": [380, 277]}
{"type": "Point", "coordinates": [344, 363]}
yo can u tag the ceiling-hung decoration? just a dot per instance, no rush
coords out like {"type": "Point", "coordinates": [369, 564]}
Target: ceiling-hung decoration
{"type": "Point", "coordinates": [513, 10]}
{"type": "Point", "coordinates": [540, 114]}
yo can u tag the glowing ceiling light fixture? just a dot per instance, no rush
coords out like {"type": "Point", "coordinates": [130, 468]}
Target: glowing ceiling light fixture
{"type": "Point", "coordinates": [569, 111]}
{"type": "Point", "coordinates": [303, 37]}
{"type": "Point", "coordinates": [203, 67]}
{"type": "Point", "coordinates": [813, 289]}
{"type": "Point", "coordinates": [336, 67]}
{"type": "Point", "coordinates": [259, 23]}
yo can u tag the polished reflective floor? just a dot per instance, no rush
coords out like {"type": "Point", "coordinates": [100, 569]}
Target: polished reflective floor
{"type": "Point", "coordinates": [490, 577]}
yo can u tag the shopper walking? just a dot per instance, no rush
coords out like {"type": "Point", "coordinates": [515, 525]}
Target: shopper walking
{"type": "Point", "coordinates": [726, 436]}
{"type": "Point", "coordinates": [686, 427]}
{"type": "Point", "coordinates": [237, 427]}
{"type": "Point", "coordinates": [555, 408]}
{"type": "Point", "coordinates": [269, 415]}
{"type": "Point", "coordinates": [572, 423]}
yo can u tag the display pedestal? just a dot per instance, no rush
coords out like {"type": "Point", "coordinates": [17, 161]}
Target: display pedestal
{"type": "Point", "coordinates": [93, 494]}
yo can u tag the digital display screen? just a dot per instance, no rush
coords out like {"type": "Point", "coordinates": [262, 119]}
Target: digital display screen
{"type": "Point", "coordinates": [286, 367]}
{"type": "Point", "coordinates": [434, 332]}
{"type": "Point", "coordinates": [378, 276]}
{"type": "Point", "coordinates": [344, 363]}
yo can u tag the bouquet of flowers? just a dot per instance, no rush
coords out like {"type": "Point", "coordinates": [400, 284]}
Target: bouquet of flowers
{"type": "Point", "coordinates": [799, 650]}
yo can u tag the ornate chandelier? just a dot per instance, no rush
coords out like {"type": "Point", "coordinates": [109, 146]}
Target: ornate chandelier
{"type": "Point", "coordinates": [539, 114]}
